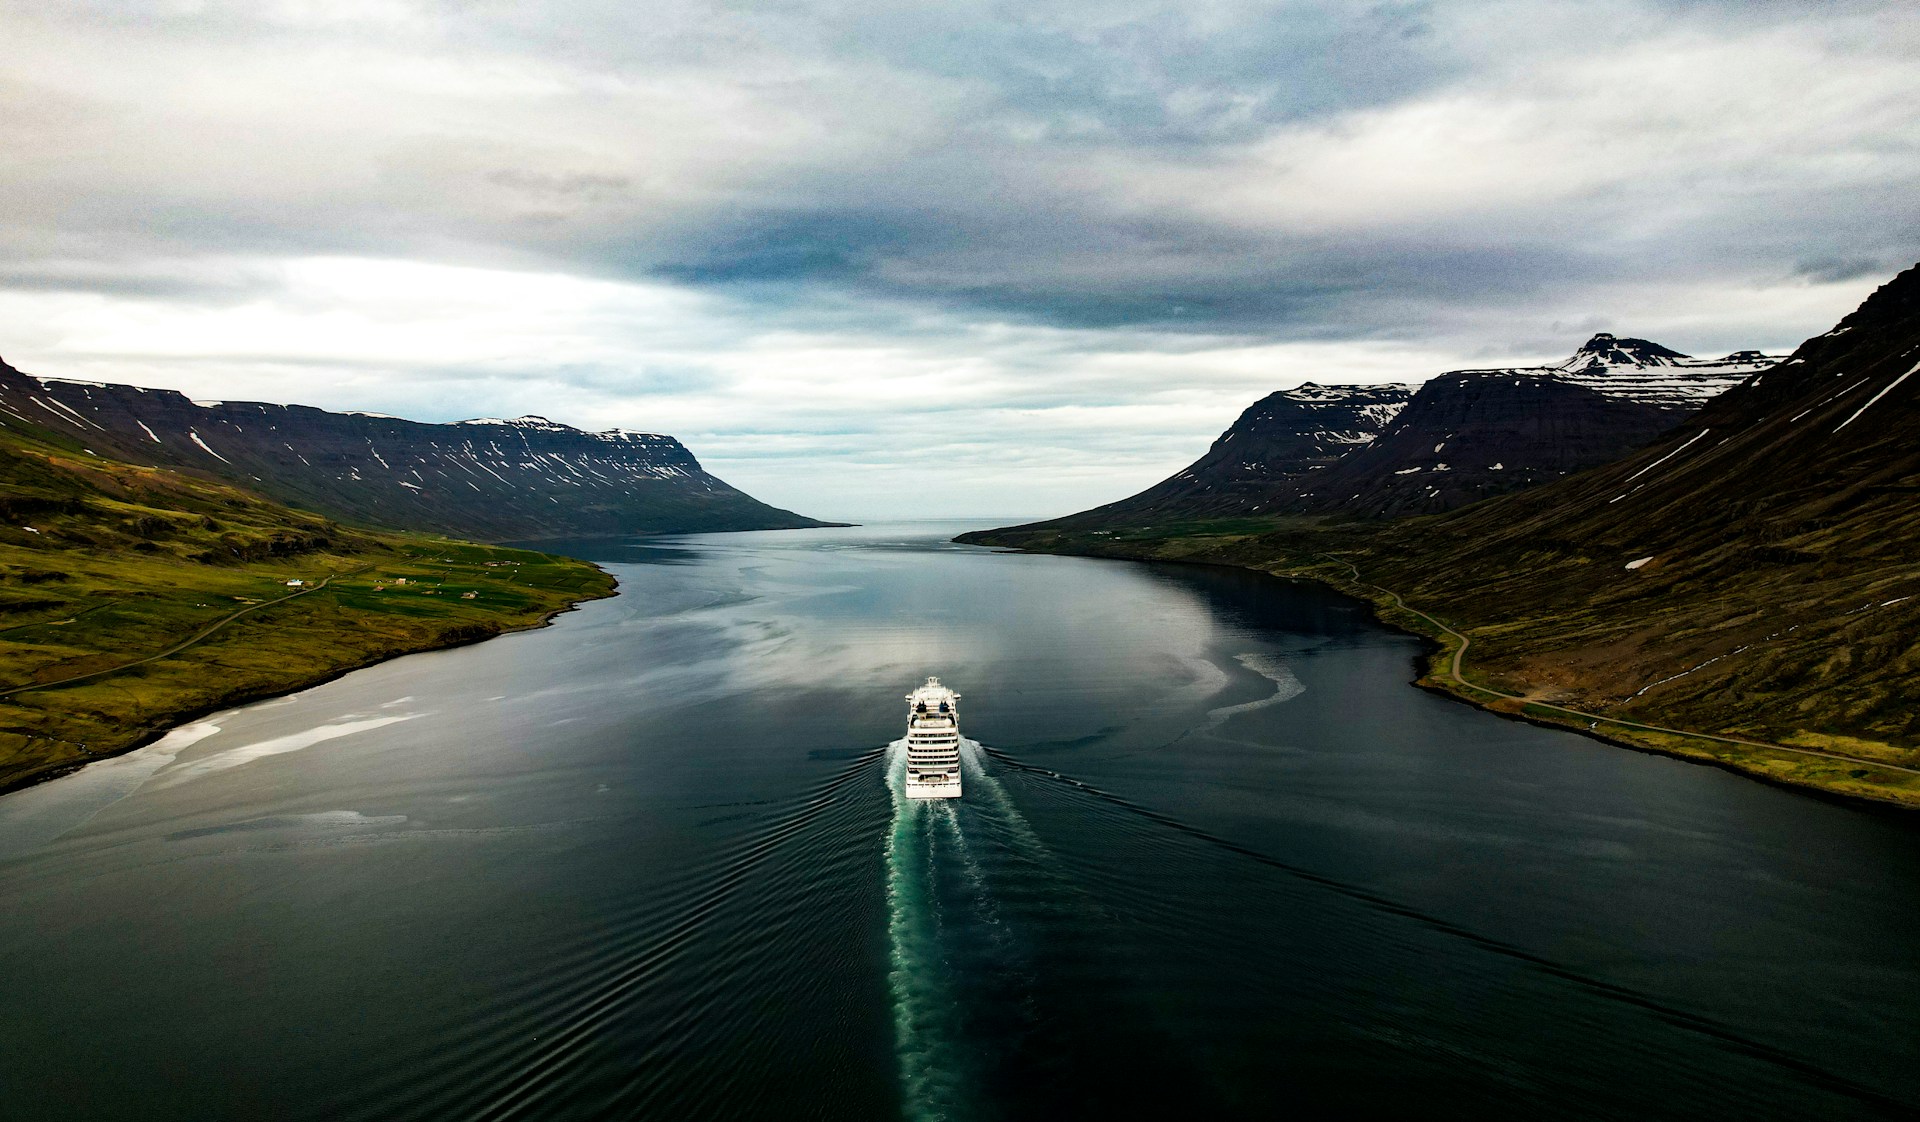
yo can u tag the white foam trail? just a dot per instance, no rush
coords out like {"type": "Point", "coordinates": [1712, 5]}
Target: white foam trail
{"type": "Point", "coordinates": [930, 1087]}
{"type": "Point", "coordinates": [988, 907]}
{"type": "Point", "coordinates": [934, 1059]}
{"type": "Point", "coordinates": [38, 815]}
{"type": "Point", "coordinates": [279, 745]}
{"type": "Point", "coordinates": [1208, 679]}
{"type": "Point", "coordinates": [974, 760]}
{"type": "Point", "coordinates": [318, 821]}
{"type": "Point", "coordinates": [1286, 687]}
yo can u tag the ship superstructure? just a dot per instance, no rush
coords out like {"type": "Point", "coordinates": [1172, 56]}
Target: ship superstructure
{"type": "Point", "coordinates": [933, 742]}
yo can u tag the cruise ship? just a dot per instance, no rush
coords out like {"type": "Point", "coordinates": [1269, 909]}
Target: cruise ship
{"type": "Point", "coordinates": [933, 742]}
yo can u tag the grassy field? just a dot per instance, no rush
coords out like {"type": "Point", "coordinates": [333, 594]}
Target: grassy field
{"type": "Point", "coordinates": [104, 566]}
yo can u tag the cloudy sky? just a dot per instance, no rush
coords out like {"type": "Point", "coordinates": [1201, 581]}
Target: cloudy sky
{"type": "Point", "coordinates": [959, 258]}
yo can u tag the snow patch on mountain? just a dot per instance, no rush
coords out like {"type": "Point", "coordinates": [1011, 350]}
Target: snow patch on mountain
{"type": "Point", "coordinates": [1643, 371]}
{"type": "Point", "coordinates": [195, 437]}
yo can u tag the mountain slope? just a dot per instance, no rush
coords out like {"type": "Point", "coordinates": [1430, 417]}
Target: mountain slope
{"type": "Point", "coordinates": [1753, 570]}
{"type": "Point", "coordinates": [134, 597]}
{"type": "Point", "coordinates": [1387, 452]}
{"type": "Point", "coordinates": [1465, 437]}
{"type": "Point", "coordinates": [497, 480]}
{"type": "Point", "coordinates": [1266, 457]}
{"type": "Point", "coordinates": [1470, 434]}
{"type": "Point", "coordinates": [1750, 574]}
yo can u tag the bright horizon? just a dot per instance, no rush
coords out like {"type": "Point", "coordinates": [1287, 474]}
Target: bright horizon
{"type": "Point", "coordinates": [874, 261]}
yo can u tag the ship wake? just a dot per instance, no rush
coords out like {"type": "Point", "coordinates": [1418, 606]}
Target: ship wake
{"type": "Point", "coordinates": [961, 967]}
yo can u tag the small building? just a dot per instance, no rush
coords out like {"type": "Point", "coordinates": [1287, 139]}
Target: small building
{"type": "Point", "coordinates": [295, 583]}
{"type": "Point", "coordinates": [469, 596]}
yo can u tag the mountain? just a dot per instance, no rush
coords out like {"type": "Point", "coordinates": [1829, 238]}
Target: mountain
{"type": "Point", "coordinates": [1637, 370]}
{"type": "Point", "coordinates": [1470, 434]}
{"type": "Point", "coordinates": [1389, 451]}
{"type": "Point", "coordinates": [1747, 577]}
{"type": "Point", "coordinates": [55, 496]}
{"type": "Point", "coordinates": [134, 597]}
{"type": "Point", "coordinates": [1752, 570]}
{"type": "Point", "coordinates": [1267, 457]}
{"type": "Point", "coordinates": [498, 480]}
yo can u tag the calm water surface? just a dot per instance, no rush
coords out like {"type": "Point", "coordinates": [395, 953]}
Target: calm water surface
{"type": "Point", "coordinates": [1216, 857]}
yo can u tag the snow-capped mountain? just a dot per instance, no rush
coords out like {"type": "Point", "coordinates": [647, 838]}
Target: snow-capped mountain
{"type": "Point", "coordinates": [1646, 372]}
{"type": "Point", "coordinates": [1389, 450]}
{"type": "Point", "coordinates": [1469, 434]}
{"type": "Point", "coordinates": [490, 478]}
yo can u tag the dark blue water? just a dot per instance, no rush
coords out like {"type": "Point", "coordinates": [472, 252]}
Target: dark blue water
{"type": "Point", "coordinates": [1216, 857]}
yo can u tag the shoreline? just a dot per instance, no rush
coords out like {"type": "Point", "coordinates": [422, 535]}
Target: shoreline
{"type": "Point", "coordinates": [1454, 685]}
{"type": "Point", "coordinates": [1747, 764]}
{"type": "Point", "coordinates": [452, 639]}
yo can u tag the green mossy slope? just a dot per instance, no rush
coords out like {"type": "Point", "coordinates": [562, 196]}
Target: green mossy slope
{"type": "Point", "coordinates": [105, 565]}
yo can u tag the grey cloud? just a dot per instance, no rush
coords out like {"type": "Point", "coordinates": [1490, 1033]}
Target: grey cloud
{"type": "Point", "coordinates": [826, 245]}
{"type": "Point", "coordinates": [1828, 270]}
{"type": "Point", "coordinates": [1161, 275]}
{"type": "Point", "coordinates": [200, 283]}
{"type": "Point", "coordinates": [1052, 205]}
{"type": "Point", "coordinates": [563, 184]}
{"type": "Point", "coordinates": [973, 203]}
{"type": "Point", "coordinates": [1163, 74]}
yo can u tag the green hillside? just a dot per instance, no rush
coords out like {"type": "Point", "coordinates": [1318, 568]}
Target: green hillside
{"type": "Point", "coordinates": [132, 598]}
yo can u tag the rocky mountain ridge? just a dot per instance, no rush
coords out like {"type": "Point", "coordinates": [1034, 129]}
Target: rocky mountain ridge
{"type": "Point", "coordinates": [491, 479]}
{"type": "Point", "coordinates": [1470, 434]}
{"type": "Point", "coordinates": [1386, 451]}
{"type": "Point", "coordinates": [1649, 373]}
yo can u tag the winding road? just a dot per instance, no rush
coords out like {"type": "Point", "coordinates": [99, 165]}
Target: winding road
{"type": "Point", "coordinates": [170, 651]}
{"type": "Point", "coordinates": [1460, 652]}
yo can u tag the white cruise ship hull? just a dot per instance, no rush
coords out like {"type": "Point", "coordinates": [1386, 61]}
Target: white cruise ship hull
{"type": "Point", "coordinates": [925, 789]}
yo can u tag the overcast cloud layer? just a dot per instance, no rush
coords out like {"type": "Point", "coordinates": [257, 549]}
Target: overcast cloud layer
{"type": "Point", "coordinates": [876, 259]}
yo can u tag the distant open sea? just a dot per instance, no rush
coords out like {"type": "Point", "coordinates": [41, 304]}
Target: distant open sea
{"type": "Point", "coordinates": [1217, 858]}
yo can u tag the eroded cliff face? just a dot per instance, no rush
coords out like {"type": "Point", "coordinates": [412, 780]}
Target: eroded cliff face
{"type": "Point", "coordinates": [491, 479]}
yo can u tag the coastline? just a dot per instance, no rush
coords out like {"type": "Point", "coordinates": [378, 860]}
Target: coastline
{"type": "Point", "coordinates": [451, 634]}
{"type": "Point", "coordinates": [1689, 746]}
{"type": "Point", "coordinates": [1844, 779]}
